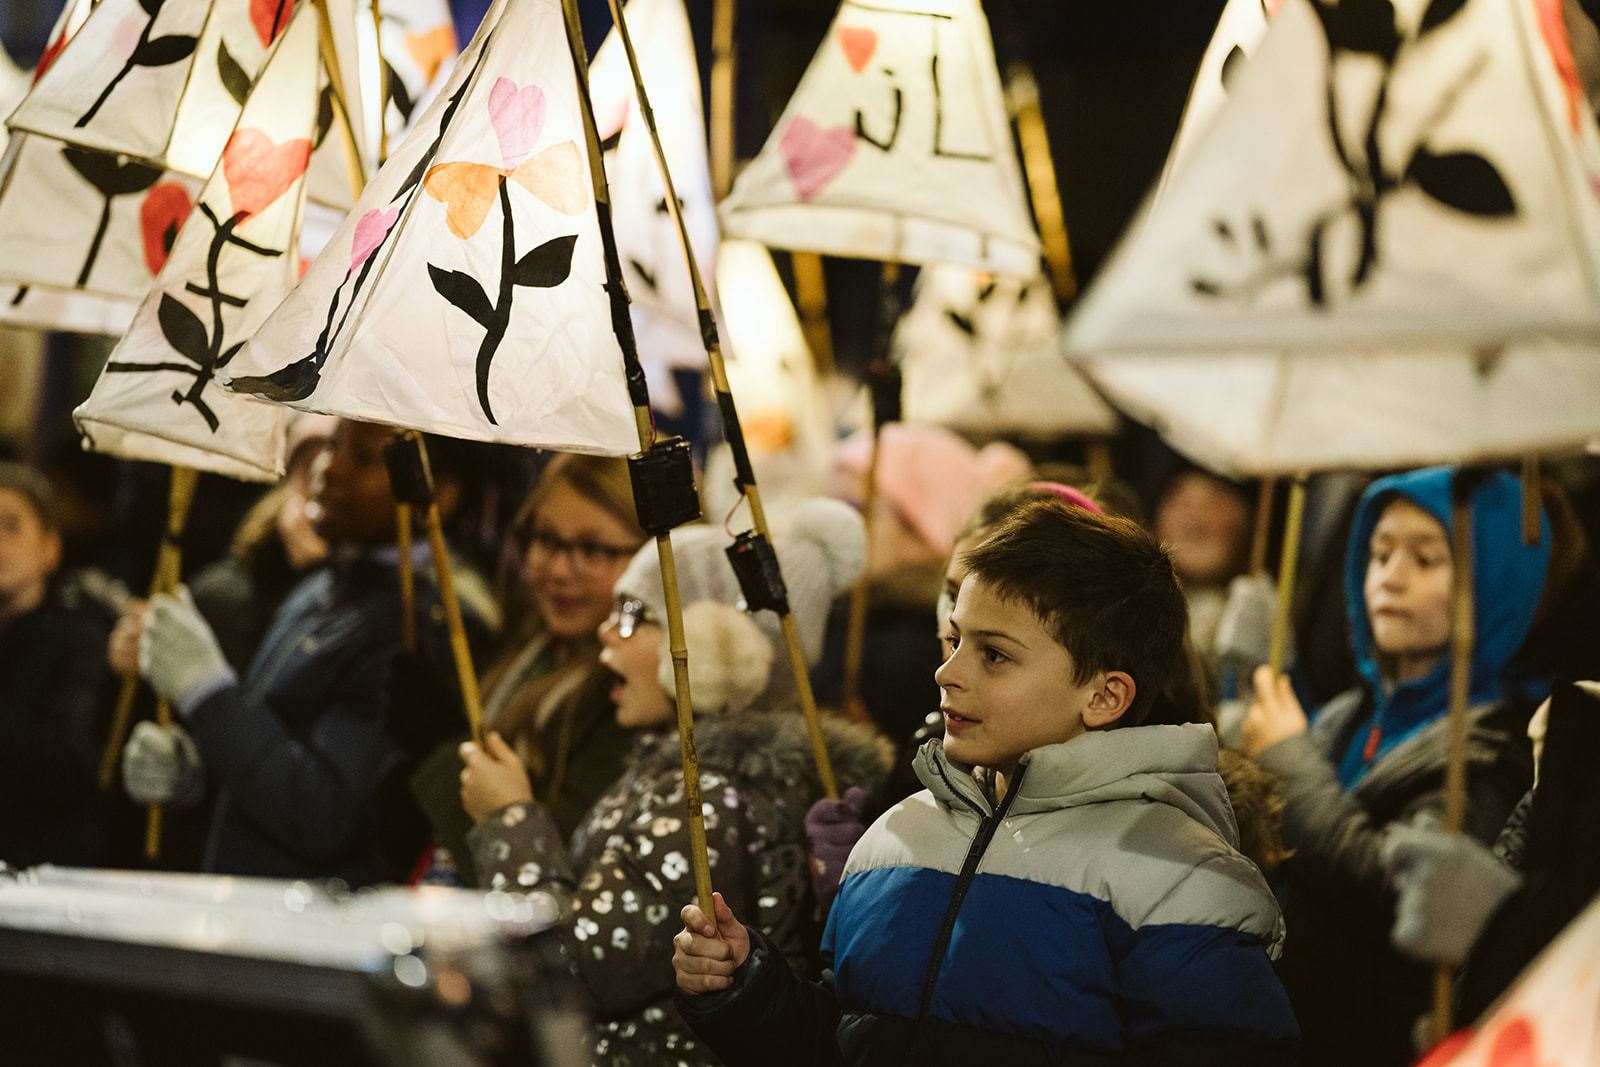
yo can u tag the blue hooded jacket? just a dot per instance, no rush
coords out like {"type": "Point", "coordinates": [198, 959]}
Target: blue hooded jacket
{"type": "Point", "coordinates": [1508, 580]}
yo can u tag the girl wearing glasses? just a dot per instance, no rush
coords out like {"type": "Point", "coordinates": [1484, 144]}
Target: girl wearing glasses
{"type": "Point", "coordinates": [548, 696]}
{"type": "Point", "coordinates": [626, 875]}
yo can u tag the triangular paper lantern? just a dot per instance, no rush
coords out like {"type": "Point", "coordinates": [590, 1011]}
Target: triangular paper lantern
{"type": "Point", "coordinates": [981, 353]}
{"type": "Point", "coordinates": [329, 180]}
{"type": "Point", "coordinates": [466, 293]}
{"type": "Point", "coordinates": [1551, 1016]}
{"type": "Point", "coordinates": [76, 219]}
{"type": "Point", "coordinates": [157, 398]}
{"type": "Point", "coordinates": [82, 233]}
{"type": "Point", "coordinates": [896, 146]}
{"type": "Point", "coordinates": [1478, 223]}
{"type": "Point", "coordinates": [664, 318]}
{"type": "Point", "coordinates": [1239, 31]}
{"type": "Point", "coordinates": [1252, 415]}
{"type": "Point", "coordinates": [39, 308]}
{"type": "Point", "coordinates": [161, 81]}
{"type": "Point", "coordinates": [13, 84]}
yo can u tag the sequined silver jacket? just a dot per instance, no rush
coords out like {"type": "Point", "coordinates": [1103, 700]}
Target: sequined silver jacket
{"type": "Point", "coordinates": [626, 877]}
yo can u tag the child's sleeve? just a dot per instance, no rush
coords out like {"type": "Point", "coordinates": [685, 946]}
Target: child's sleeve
{"type": "Point", "coordinates": [1195, 994]}
{"type": "Point", "coordinates": [771, 1017]}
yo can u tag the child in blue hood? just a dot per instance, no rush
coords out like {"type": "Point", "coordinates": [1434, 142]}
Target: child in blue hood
{"type": "Point", "coordinates": [1374, 756]}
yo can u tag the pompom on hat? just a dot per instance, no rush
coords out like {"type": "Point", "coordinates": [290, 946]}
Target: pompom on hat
{"type": "Point", "coordinates": [822, 549]}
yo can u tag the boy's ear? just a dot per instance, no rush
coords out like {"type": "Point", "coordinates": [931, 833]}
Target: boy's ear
{"type": "Point", "coordinates": [1112, 697]}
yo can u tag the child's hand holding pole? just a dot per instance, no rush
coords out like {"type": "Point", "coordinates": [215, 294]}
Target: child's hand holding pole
{"type": "Point", "coordinates": [705, 955]}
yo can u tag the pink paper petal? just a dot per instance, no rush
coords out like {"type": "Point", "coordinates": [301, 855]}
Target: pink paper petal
{"type": "Point", "coordinates": [517, 113]}
{"type": "Point", "coordinates": [371, 229]}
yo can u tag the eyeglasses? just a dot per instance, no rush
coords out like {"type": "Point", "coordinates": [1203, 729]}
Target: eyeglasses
{"type": "Point", "coordinates": [628, 615]}
{"type": "Point", "coordinates": [584, 553]}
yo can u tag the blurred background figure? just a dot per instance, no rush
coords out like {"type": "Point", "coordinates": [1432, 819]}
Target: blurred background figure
{"type": "Point", "coordinates": [54, 688]}
{"type": "Point", "coordinates": [1204, 522]}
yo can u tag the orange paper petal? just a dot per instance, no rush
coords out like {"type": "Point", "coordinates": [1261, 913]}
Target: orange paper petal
{"type": "Point", "coordinates": [430, 50]}
{"type": "Point", "coordinates": [556, 177]}
{"type": "Point", "coordinates": [466, 190]}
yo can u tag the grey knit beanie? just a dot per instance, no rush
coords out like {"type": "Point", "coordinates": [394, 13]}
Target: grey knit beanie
{"type": "Point", "coordinates": [822, 549]}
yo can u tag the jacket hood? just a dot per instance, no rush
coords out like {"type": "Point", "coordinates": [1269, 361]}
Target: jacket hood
{"type": "Point", "coordinates": [1173, 765]}
{"type": "Point", "coordinates": [774, 746]}
{"type": "Point", "coordinates": [1508, 579]}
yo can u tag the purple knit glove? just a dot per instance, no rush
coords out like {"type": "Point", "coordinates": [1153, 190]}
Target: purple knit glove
{"type": "Point", "coordinates": [832, 829]}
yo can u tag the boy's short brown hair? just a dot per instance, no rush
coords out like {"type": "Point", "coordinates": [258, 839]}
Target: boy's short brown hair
{"type": "Point", "coordinates": [1101, 585]}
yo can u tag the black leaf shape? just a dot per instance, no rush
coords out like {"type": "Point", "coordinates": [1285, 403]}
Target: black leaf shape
{"type": "Point", "coordinates": [645, 274]}
{"type": "Point", "coordinates": [1462, 180]}
{"type": "Point", "coordinates": [548, 265]}
{"type": "Point", "coordinates": [1365, 26]}
{"type": "Point", "coordinates": [961, 322]}
{"type": "Point", "coordinates": [399, 95]}
{"type": "Point", "coordinates": [464, 292]}
{"type": "Point", "coordinates": [151, 7]}
{"type": "Point", "coordinates": [1258, 227]}
{"type": "Point", "coordinates": [324, 114]}
{"type": "Point", "coordinates": [1205, 287]}
{"type": "Point", "coordinates": [183, 330]}
{"type": "Point", "coordinates": [1223, 230]}
{"type": "Point", "coordinates": [986, 290]}
{"type": "Point", "coordinates": [160, 51]}
{"type": "Point", "coordinates": [1439, 12]}
{"type": "Point", "coordinates": [101, 170]}
{"type": "Point", "coordinates": [295, 382]}
{"type": "Point", "coordinates": [234, 79]}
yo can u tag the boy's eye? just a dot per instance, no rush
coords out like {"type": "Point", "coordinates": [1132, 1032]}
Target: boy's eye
{"type": "Point", "coordinates": [993, 655]}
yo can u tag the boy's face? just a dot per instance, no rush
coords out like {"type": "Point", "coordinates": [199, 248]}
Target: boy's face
{"type": "Point", "coordinates": [1007, 687]}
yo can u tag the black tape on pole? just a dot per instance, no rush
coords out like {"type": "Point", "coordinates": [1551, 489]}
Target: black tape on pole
{"type": "Point", "coordinates": [409, 477]}
{"type": "Point", "coordinates": [755, 564]}
{"type": "Point", "coordinates": [664, 494]}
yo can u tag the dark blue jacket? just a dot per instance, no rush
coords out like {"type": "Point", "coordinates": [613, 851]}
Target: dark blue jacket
{"type": "Point", "coordinates": [312, 748]}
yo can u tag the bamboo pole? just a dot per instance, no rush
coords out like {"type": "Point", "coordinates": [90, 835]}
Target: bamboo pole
{"type": "Point", "coordinates": [1043, 187]}
{"type": "Point", "coordinates": [1532, 514]}
{"type": "Point", "coordinates": [1455, 777]}
{"type": "Point", "coordinates": [723, 80]}
{"type": "Point", "coordinates": [169, 568]}
{"type": "Point", "coordinates": [1287, 566]}
{"type": "Point", "coordinates": [860, 595]}
{"type": "Point", "coordinates": [341, 99]}
{"type": "Point", "coordinates": [730, 413]}
{"type": "Point", "coordinates": [168, 559]}
{"type": "Point", "coordinates": [383, 82]}
{"type": "Point", "coordinates": [1263, 527]}
{"type": "Point", "coordinates": [639, 394]}
{"type": "Point", "coordinates": [811, 298]}
{"type": "Point", "coordinates": [1097, 459]}
{"type": "Point", "coordinates": [408, 581]}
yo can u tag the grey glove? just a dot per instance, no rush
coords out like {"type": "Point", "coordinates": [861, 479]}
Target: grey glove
{"type": "Point", "coordinates": [1244, 633]}
{"type": "Point", "coordinates": [179, 654]}
{"type": "Point", "coordinates": [161, 765]}
{"type": "Point", "coordinates": [1448, 887]}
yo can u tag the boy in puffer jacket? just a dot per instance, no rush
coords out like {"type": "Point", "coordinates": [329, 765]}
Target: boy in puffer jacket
{"type": "Point", "coordinates": [1067, 889]}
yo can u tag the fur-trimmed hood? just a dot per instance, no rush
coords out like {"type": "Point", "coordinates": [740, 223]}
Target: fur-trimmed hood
{"type": "Point", "coordinates": [773, 746]}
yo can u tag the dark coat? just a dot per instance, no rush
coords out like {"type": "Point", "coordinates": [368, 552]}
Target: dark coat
{"type": "Point", "coordinates": [627, 876]}
{"type": "Point", "coordinates": [55, 691]}
{"type": "Point", "coordinates": [1553, 838]}
{"type": "Point", "coordinates": [312, 748]}
{"type": "Point", "coordinates": [240, 596]}
{"type": "Point", "coordinates": [1338, 963]}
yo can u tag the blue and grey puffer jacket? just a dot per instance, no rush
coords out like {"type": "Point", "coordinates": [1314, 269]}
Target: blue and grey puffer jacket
{"type": "Point", "coordinates": [1099, 914]}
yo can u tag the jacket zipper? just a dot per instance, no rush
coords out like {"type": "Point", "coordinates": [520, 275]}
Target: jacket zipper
{"type": "Point", "coordinates": [987, 825]}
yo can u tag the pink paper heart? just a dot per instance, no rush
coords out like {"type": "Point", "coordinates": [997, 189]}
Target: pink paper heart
{"type": "Point", "coordinates": [517, 113]}
{"type": "Point", "coordinates": [371, 229]}
{"type": "Point", "coordinates": [258, 170]}
{"type": "Point", "coordinates": [815, 156]}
